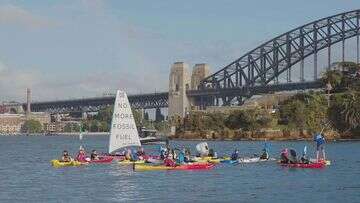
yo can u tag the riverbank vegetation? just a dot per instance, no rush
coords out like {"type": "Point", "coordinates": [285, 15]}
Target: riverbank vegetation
{"type": "Point", "coordinates": [335, 111]}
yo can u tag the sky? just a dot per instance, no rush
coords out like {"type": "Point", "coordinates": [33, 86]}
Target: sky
{"type": "Point", "coordinates": [85, 48]}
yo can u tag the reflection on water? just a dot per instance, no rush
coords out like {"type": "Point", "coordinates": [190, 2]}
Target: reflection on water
{"type": "Point", "coordinates": [25, 170]}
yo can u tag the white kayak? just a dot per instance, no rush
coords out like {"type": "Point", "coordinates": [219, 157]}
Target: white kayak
{"type": "Point", "coordinates": [253, 160]}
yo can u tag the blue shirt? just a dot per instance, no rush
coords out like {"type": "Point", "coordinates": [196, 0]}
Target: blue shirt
{"type": "Point", "coordinates": [319, 139]}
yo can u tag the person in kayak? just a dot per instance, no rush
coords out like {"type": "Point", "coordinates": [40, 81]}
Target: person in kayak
{"type": "Point", "coordinates": [235, 155]}
{"type": "Point", "coordinates": [264, 155]}
{"type": "Point", "coordinates": [187, 157]}
{"type": "Point", "coordinates": [169, 161]}
{"type": "Point", "coordinates": [304, 158]}
{"type": "Point", "coordinates": [162, 152]}
{"type": "Point", "coordinates": [141, 153]}
{"type": "Point", "coordinates": [212, 153]}
{"type": "Point", "coordinates": [293, 156]}
{"type": "Point", "coordinates": [128, 155]}
{"type": "Point", "coordinates": [320, 142]}
{"type": "Point", "coordinates": [284, 156]}
{"type": "Point", "coordinates": [66, 157]}
{"type": "Point", "coordinates": [94, 155]}
{"type": "Point", "coordinates": [181, 157]}
{"type": "Point", "coordinates": [81, 156]}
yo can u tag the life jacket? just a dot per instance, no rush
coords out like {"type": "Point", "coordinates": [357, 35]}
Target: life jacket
{"type": "Point", "coordinates": [234, 156]}
{"type": "Point", "coordinates": [181, 158]}
{"type": "Point", "coordinates": [169, 162]}
{"type": "Point", "coordinates": [81, 157]}
{"type": "Point", "coordinates": [319, 139]}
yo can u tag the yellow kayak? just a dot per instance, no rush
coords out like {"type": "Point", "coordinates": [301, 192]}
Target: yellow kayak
{"type": "Point", "coordinates": [126, 162]}
{"type": "Point", "coordinates": [209, 159]}
{"type": "Point", "coordinates": [57, 164]}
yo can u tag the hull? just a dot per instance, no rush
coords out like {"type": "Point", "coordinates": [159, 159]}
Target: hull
{"type": "Point", "coordinates": [103, 160]}
{"type": "Point", "coordinates": [253, 160]}
{"type": "Point", "coordinates": [327, 162]}
{"type": "Point", "coordinates": [194, 166]}
{"type": "Point", "coordinates": [58, 164]}
{"type": "Point", "coordinates": [301, 165]}
{"type": "Point", "coordinates": [127, 162]}
{"type": "Point", "coordinates": [209, 160]}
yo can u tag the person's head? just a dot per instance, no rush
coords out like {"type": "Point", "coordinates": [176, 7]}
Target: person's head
{"type": "Point", "coordinates": [236, 151]}
{"type": "Point", "coordinates": [65, 153]}
{"type": "Point", "coordinates": [94, 151]}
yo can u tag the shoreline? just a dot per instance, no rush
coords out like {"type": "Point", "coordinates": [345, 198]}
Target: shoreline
{"type": "Point", "coordinates": [178, 139]}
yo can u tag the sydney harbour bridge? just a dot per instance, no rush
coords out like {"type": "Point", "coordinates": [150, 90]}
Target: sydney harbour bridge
{"type": "Point", "coordinates": [268, 68]}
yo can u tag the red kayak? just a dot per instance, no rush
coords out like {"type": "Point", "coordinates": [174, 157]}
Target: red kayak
{"type": "Point", "coordinates": [192, 166]}
{"type": "Point", "coordinates": [101, 160]}
{"type": "Point", "coordinates": [303, 165]}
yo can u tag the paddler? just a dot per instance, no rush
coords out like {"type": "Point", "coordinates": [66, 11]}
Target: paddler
{"type": "Point", "coordinates": [81, 156]}
{"type": "Point", "coordinates": [320, 142]}
{"type": "Point", "coordinates": [181, 157]}
{"type": "Point", "coordinates": [141, 153]}
{"type": "Point", "coordinates": [265, 153]}
{"type": "Point", "coordinates": [128, 155]}
{"type": "Point", "coordinates": [162, 151]}
{"type": "Point", "coordinates": [187, 157]}
{"type": "Point", "coordinates": [304, 158]}
{"type": "Point", "coordinates": [212, 154]}
{"type": "Point", "coordinates": [169, 161]}
{"type": "Point", "coordinates": [284, 154]}
{"type": "Point", "coordinates": [235, 155]}
{"type": "Point", "coordinates": [94, 155]}
{"type": "Point", "coordinates": [66, 157]}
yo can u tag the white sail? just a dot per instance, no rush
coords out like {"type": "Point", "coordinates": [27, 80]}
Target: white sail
{"type": "Point", "coordinates": [123, 128]}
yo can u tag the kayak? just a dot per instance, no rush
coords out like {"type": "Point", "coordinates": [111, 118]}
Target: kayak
{"type": "Point", "coordinates": [190, 166]}
{"type": "Point", "coordinates": [303, 165]}
{"type": "Point", "coordinates": [127, 162]}
{"type": "Point", "coordinates": [327, 162]}
{"type": "Point", "coordinates": [116, 157]}
{"type": "Point", "coordinates": [103, 160]}
{"type": "Point", "coordinates": [229, 161]}
{"type": "Point", "coordinates": [253, 160]}
{"type": "Point", "coordinates": [57, 164]}
{"type": "Point", "coordinates": [209, 159]}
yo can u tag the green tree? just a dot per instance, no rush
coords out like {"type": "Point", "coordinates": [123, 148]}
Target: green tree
{"type": "Point", "coordinates": [334, 77]}
{"type": "Point", "coordinates": [72, 127]}
{"type": "Point", "coordinates": [94, 126]}
{"type": "Point", "coordinates": [305, 111]}
{"type": "Point", "coordinates": [105, 114]}
{"type": "Point", "coordinates": [351, 110]}
{"type": "Point", "coordinates": [104, 126]}
{"type": "Point", "coordinates": [32, 126]}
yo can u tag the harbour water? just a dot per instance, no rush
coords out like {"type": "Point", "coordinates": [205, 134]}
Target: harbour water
{"type": "Point", "coordinates": [27, 176]}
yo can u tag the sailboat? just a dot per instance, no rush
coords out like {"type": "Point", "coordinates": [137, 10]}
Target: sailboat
{"type": "Point", "coordinates": [123, 131]}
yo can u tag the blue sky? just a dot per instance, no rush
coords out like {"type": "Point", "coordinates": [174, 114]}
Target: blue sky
{"type": "Point", "coordinates": [84, 48]}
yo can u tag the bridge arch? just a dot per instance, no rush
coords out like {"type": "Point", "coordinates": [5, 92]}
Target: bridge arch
{"type": "Point", "coordinates": [268, 61]}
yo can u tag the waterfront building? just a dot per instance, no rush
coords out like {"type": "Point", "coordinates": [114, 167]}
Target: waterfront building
{"type": "Point", "coordinates": [12, 123]}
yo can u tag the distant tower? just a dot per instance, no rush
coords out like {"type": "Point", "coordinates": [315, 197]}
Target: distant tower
{"type": "Point", "coordinates": [179, 82]}
{"type": "Point", "coordinates": [200, 71]}
{"type": "Point", "coordinates": [28, 101]}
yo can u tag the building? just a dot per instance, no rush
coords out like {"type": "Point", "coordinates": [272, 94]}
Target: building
{"type": "Point", "coordinates": [12, 123]}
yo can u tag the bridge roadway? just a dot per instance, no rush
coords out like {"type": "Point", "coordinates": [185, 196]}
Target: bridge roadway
{"type": "Point", "coordinates": [146, 101]}
{"type": "Point", "coordinates": [160, 100]}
